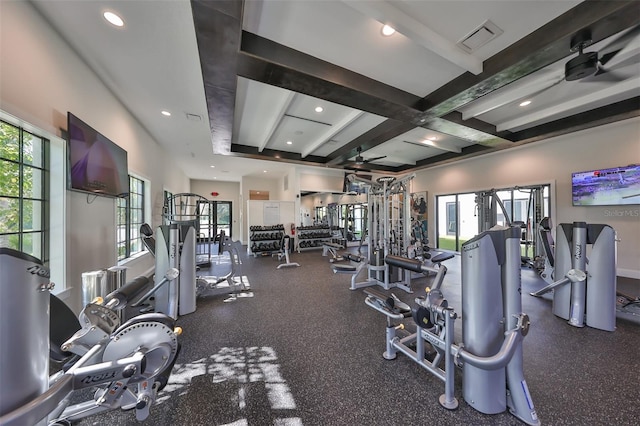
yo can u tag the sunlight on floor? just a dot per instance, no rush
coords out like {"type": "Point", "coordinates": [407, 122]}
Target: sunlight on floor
{"type": "Point", "coordinates": [240, 366]}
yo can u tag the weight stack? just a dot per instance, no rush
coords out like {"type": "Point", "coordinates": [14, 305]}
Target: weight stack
{"type": "Point", "coordinates": [482, 320]}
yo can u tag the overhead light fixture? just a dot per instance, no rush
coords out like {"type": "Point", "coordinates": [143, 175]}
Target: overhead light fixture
{"type": "Point", "coordinates": [166, 113]}
{"type": "Point", "coordinates": [289, 143]}
{"type": "Point", "coordinates": [525, 103]}
{"type": "Point", "coordinates": [388, 30]}
{"type": "Point", "coordinates": [113, 19]}
{"type": "Point", "coordinates": [264, 171]}
{"type": "Point", "coordinates": [213, 167]}
{"type": "Point", "coordinates": [432, 138]}
{"type": "Point", "coordinates": [319, 109]}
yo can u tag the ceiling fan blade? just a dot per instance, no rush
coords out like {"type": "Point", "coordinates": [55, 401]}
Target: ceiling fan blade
{"type": "Point", "coordinates": [374, 159]}
{"type": "Point", "coordinates": [609, 70]}
{"type": "Point", "coordinates": [357, 167]}
{"type": "Point", "coordinates": [604, 75]}
{"type": "Point", "coordinates": [612, 49]}
{"type": "Point", "coordinates": [539, 92]}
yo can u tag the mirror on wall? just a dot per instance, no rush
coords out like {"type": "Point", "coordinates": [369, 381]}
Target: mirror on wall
{"type": "Point", "coordinates": [344, 213]}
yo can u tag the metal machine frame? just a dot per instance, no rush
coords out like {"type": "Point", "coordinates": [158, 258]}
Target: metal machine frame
{"type": "Point", "coordinates": [491, 353]}
{"type": "Point", "coordinates": [389, 228]}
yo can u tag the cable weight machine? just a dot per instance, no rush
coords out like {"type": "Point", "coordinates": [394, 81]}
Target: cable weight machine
{"type": "Point", "coordinates": [389, 227]}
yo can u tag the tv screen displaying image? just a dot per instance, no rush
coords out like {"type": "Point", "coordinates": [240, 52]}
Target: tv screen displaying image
{"type": "Point", "coordinates": [606, 187]}
{"type": "Point", "coordinates": [96, 164]}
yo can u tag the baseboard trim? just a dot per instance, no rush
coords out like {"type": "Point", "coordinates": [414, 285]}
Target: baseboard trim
{"type": "Point", "coordinates": [629, 273]}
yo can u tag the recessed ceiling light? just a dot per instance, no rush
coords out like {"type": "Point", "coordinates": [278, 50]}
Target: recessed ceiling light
{"type": "Point", "coordinates": [264, 171]}
{"type": "Point", "coordinates": [213, 167]}
{"type": "Point", "coordinates": [432, 138]}
{"type": "Point", "coordinates": [289, 143]}
{"type": "Point", "coordinates": [525, 103]}
{"type": "Point", "coordinates": [113, 19]}
{"type": "Point", "coordinates": [319, 109]}
{"type": "Point", "coordinates": [166, 113]}
{"type": "Point", "coordinates": [387, 30]}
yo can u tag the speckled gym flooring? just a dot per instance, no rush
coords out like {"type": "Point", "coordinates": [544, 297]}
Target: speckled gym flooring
{"type": "Point", "coordinates": [303, 349]}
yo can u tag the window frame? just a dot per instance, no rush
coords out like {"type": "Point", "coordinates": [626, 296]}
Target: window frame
{"type": "Point", "coordinates": [40, 245]}
{"type": "Point", "coordinates": [130, 214]}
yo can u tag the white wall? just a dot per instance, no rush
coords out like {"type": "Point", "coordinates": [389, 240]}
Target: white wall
{"type": "Point", "coordinates": [41, 79]}
{"type": "Point", "coordinates": [321, 182]}
{"type": "Point", "coordinates": [228, 191]}
{"type": "Point", "coordinates": [553, 161]}
{"type": "Point", "coordinates": [251, 183]}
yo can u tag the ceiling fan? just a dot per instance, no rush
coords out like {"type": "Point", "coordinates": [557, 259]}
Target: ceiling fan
{"type": "Point", "coordinates": [592, 63]}
{"type": "Point", "coordinates": [590, 66]}
{"type": "Point", "coordinates": [361, 160]}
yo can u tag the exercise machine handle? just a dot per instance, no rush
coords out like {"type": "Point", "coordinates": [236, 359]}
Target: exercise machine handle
{"type": "Point", "coordinates": [171, 275]}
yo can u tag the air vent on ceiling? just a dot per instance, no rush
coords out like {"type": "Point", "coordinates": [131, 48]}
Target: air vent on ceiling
{"type": "Point", "coordinates": [479, 37]}
{"type": "Point", "coordinates": [193, 117]}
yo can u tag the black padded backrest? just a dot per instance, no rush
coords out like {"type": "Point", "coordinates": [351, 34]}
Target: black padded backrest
{"type": "Point", "coordinates": [63, 323]}
{"type": "Point", "coordinates": [146, 234]}
{"type": "Point", "coordinates": [547, 239]}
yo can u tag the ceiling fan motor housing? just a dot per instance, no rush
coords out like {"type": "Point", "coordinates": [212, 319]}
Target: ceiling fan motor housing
{"type": "Point", "coordinates": [581, 66]}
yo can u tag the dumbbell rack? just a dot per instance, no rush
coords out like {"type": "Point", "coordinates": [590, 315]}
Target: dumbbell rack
{"type": "Point", "coordinates": [312, 237]}
{"type": "Point", "coordinates": [265, 240]}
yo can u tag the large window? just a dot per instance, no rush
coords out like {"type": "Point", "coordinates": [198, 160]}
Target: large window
{"type": "Point", "coordinates": [130, 215]}
{"type": "Point", "coordinates": [23, 191]}
{"type": "Point", "coordinates": [458, 218]}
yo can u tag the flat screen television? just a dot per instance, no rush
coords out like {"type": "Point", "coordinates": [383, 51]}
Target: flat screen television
{"type": "Point", "coordinates": [606, 187]}
{"type": "Point", "coordinates": [96, 165]}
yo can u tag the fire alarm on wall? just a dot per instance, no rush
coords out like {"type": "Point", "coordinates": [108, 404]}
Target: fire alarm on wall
{"type": "Point", "coordinates": [214, 194]}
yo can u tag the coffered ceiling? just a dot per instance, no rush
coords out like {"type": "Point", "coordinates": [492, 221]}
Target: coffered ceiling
{"type": "Point", "coordinates": [243, 79]}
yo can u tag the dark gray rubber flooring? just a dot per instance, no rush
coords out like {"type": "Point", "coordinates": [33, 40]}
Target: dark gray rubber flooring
{"type": "Point", "coordinates": [303, 349]}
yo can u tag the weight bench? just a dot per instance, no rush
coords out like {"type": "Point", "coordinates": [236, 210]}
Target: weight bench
{"type": "Point", "coordinates": [354, 270]}
{"type": "Point", "coordinates": [333, 249]}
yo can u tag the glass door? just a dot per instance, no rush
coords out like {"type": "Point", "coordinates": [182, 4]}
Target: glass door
{"type": "Point", "coordinates": [222, 218]}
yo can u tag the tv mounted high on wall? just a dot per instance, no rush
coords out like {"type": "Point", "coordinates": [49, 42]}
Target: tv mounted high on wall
{"type": "Point", "coordinates": [96, 165]}
{"type": "Point", "coordinates": [606, 187]}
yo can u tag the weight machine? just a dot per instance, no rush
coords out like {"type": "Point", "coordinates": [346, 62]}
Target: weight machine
{"type": "Point", "coordinates": [487, 204]}
{"type": "Point", "coordinates": [493, 326]}
{"type": "Point", "coordinates": [128, 363]}
{"type": "Point", "coordinates": [389, 228]}
{"type": "Point", "coordinates": [584, 290]}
